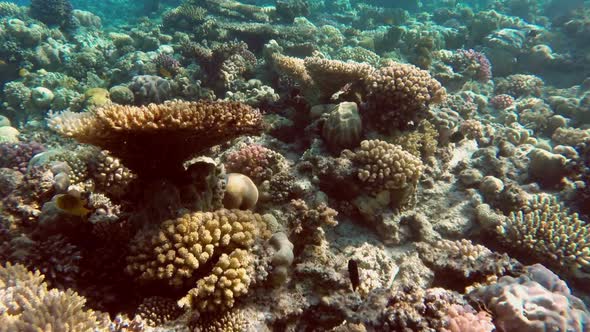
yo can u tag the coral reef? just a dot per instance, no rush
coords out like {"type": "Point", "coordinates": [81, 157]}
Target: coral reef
{"type": "Point", "coordinates": [171, 125]}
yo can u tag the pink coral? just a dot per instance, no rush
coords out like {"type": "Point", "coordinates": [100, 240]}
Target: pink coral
{"type": "Point", "coordinates": [481, 63]}
{"type": "Point", "coordinates": [465, 319]}
{"type": "Point", "coordinates": [17, 155]}
{"type": "Point", "coordinates": [502, 101]}
{"type": "Point", "coordinates": [256, 161]}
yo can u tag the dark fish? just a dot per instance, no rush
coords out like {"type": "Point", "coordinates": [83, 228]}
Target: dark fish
{"type": "Point", "coordinates": [456, 137]}
{"type": "Point", "coordinates": [353, 273]}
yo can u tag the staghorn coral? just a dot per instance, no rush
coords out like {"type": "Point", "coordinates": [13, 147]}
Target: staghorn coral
{"type": "Point", "coordinates": [159, 137]}
{"type": "Point", "coordinates": [184, 245]}
{"type": "Point", "coordinates": [27, 305]}
{"type": "Point", "coordinates": [546, 231]}
{"type": "Point", "coordinates": [400, 94]}
{"type": "Point", "coordinates": [384, 166]}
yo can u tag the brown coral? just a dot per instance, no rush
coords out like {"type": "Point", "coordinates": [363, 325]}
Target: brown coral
{"type": "Point", "coordinates": [401, 94]}
{"type": "Point", "coordinates": [384, 166]}
{"type": "Point", "coordinates": [155, 140]}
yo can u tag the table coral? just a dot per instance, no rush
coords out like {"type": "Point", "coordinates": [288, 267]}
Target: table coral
{"type": "Point", "coordinates": [159, 137]}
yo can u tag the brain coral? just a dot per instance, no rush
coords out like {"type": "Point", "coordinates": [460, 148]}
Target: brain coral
{"type": "Point", "coordinates": [158, 138]}
{"type": "Point", "coordinates": [537, 301]}
{"type": "Point", "coordinates": [188, 244]}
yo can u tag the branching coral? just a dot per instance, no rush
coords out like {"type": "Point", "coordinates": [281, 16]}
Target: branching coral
{"type": "Point", "coordinates": [384, 166]}
{"type": "Point", "coordinates": [401, 94]}
{"type": "Point", "coordinates": [182, 247]}
{"type": "Point", "coordinates": [158, 138]}
{"type": "Point", "coordinates": [547, 231]}
{"type": "Point", "coordinates": [27, 305]}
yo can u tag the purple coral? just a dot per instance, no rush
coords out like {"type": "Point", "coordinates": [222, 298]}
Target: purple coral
{"type": "Point", "coordinates": [481, 62]}
{"type": "Point", "coordinates": [167, 65]}
{"type": "Point", "coordinates": [17, 155]}
{"type": "Point", "coordinates": [255, 161]}
{"type": "Point", "coordinates": [502, 101]}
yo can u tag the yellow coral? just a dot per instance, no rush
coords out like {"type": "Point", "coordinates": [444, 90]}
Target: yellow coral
{"type": "Point", "coordinates": [229, 279]}
{"type": "Point", "coordinates": [385, 166]}
{"type": "Point", "coordinates": [187, 243]}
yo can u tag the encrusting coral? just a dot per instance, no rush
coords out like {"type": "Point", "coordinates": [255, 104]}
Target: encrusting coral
{"type": "Point", "coordinates": [155, 140]}
{"type": "Point", "coordinates": [184, 246]}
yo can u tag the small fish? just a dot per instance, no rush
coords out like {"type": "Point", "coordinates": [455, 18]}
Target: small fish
{"type": "Point", "coordinates": [71, 204]}
{"type": "Point", "coordinates": [353, 274]}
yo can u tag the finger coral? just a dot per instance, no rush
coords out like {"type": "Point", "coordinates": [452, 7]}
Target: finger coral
{"type": "Point", "coordinates": [155, 140]}
{"type": "Point", "coordinates": [189, 243]}
{"type": "Point", "coordinates": [401, 94]}
{"type": "Point", "coordinates": [384, 166]}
